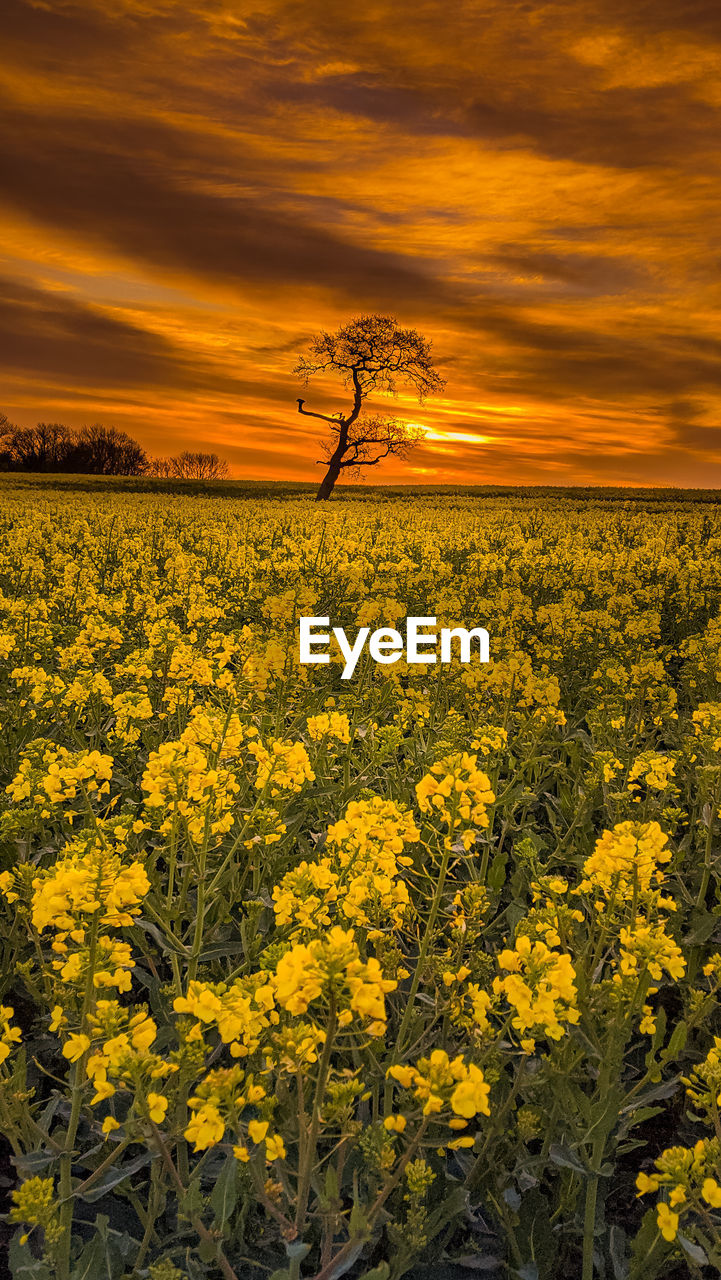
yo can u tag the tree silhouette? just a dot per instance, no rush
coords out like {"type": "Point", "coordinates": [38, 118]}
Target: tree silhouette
{"type": "Point", "coordinates": [53, 447]}
{"type": "Point", "coordinates": [371, 354]}
{"type": "Point", "coordinates": [197, 466]}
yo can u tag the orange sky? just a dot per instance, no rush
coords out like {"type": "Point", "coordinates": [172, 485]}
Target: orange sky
{"type": "Point", "coordinates": [190, 190]}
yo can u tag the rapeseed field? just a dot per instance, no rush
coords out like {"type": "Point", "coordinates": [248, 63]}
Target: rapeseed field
{"type": "Point", "coordinates": [307, 977]}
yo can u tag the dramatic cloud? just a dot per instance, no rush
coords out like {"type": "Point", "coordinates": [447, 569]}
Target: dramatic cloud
{"type": "Point", "coordinates": [189, 192]}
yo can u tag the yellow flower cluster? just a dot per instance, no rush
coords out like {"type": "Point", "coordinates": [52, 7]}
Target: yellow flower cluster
{"type": "Point", "coordinates": [220, 736]}
{"type": "Point", "coordinates": [540, 988]}
{"type": "Point", "coordinates": [456, 790]}
{"type": "Point", "coordinates": [626, 861]}
{"type": "Point", "coordinates": [703, 1085]}
{"type": "Point", "coordinates": [691, 1178]}
{"type": "Point", "coordinates": [84, 893]}
{"type": "Point", "coordinates": [180, 780]}
{"type": "Point", "coordinates": [220, 1099]}
{"type": "Point", "coordinates": [121, 1042]}
{"type": "Point", "coordinates": [8, 1035]}
{"type": "Point", "coordinates": [81, 884]}
{"type": "Point", "coordinates": [62, 775]}
{"type": "Point", "coordinates": [370, 825]}
{"type": "Point", "coordinates": [706, 720]}
{"type": "Point", "coordinates": [241, 1010]}
{"type": "Point", "coordinates": [306, 895]}
{"type": "Point", "coordinates": [282, 766]}
{"type": "Point", "coordinates": [35, 1204]}
{"type": "Point", "coordinates": [331, 968]}
{"type": "Point", "coordinates": [329, 725]}
{"type": "Point", "coordinates": [653, 770]}
{"type": "Point", "coordinates": [362, 877]}
{"type": "Point", "coordinates": [648, 946]}
{"type": "Point", "coordinates": [443, 1084]}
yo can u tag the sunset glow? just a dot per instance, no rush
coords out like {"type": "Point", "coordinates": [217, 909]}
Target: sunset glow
{"type": "Point", "coordinates": [190, 192]}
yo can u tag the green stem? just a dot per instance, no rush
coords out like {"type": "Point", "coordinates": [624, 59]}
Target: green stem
{"type": "Point", "coordinates": [309, 1154]}
{"type": "Point", "coordinates": [707, 858]}
{"type": "Point", "coordinates": [197, 1222]}
{"type": "Point", "coordinates": [425, 944]}
{"type": "Point", "coordinates": [65, 1182]}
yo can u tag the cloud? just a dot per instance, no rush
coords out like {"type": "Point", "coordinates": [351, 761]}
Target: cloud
{"type": "Point", "coordinates": [106, 183]}
{"type": "Point", "coordinates": [189, 192]}
{"type": "Point", "coordinates": [58, 337]}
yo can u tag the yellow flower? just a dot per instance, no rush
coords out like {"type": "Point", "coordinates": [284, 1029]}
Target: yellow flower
{"type": "Point", "coordinates": [8, 1035]}
{"type": "Point", "coordinates": [395, 1124]}
{"type": "Point", "coordinates": [625, 859]}
{"type": "Point", "coordinates": [206, 1127]}
{"type": "Point", "coordinates": [470, 1097]}
{"type": "Point", "coordinates": [157, 1107]}
{"type": "Point", "coordinates": [711, 1192]}
{"type": "Point", "coordinates": [667, 1221]}
{"type": "Point", "coordinates": [275, 1148]}
{"type": "Point", "coordinates": [7, 880]}
{"type": "Point", "coordinates": [57, 1017]}
{"type": "Point", "coordinates": [75, 1046]}
{"type": "Point", "coordinates": [456, 790]}
{"type": "Point", "coordinates": [646, 1183]}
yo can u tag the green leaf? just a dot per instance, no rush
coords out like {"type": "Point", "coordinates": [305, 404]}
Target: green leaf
{"type": "Point", "coordinates": [658, 1034]}
{"type": "Point", "coordinates": [23, 1266]}
{"type": "Point", "coordinates": [649, 1250]}
{"type": "Point", "coordinates": [118, 1173]}
{"type": "Point", "coordinates": [224, 1195]}
{"type": "Point", "coordinates": [702, 924]}
{"type": "Point", "coordinates": [618, 1251]}
{"type": "Point", "coordinates": [536, 1239]}
{"type": "Point", "coordinates": [104, 1257]}
{"type": "Point", "coordinates": [450, 1208]}
{"type": "Point", "coordinates": [358, 1222]}
{"type": "Point", "coordinates": [677, 1043]}
{"type": "Point", "coordinates": [659, 1091]}
{"type": "Point", "coordinates": [565, 1156]}
{"type": "Point", "coordinates": [207, 1250]}
{"type": "Point", "coordinates": [528, 1271]}
{"type": "Point", "coordinates": [497, 872]}
{"type": "Point", "coordinates": [693, 1250]}
{"type": "Point", "coordinates": [381, 1272]}
{"type": "Point", "coordinates": [191, 1204]}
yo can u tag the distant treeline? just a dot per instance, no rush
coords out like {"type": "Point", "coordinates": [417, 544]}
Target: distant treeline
{"type": "Point", "coordinates": [97, 451]}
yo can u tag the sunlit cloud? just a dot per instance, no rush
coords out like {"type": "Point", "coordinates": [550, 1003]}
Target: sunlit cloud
{"type": "Point", "coordinates": [447, 437]}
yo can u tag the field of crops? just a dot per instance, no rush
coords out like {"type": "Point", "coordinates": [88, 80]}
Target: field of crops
{"type": "Point", "coordinates": [413, 974]}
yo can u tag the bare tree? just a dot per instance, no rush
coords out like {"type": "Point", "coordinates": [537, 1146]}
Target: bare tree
{"type": "Point", "coordinates": [46, 447]}
{"type": "Point", "coordinates": [105, 451]}
{"type": "Point", "coordinates": [198, 466]}
{"type": "Point", "coordinates": [51, 446]}
{"type": "Point", "coordinates": [161, 468]}
{"type": "Point", "coordinates": [7, 430]}
{"type": "Point", "coordinates": [371, 354]}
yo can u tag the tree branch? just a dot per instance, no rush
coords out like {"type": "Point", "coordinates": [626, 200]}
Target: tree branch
{"type": "Point", "coordinates": [337, 420]}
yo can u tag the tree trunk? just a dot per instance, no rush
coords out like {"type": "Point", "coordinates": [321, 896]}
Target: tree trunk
{"type": "Point", "coordinates": [327, 484]}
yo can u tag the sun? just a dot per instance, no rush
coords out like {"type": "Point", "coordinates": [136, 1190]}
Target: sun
{"type": "Point", "coordinates": [447, 437]}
